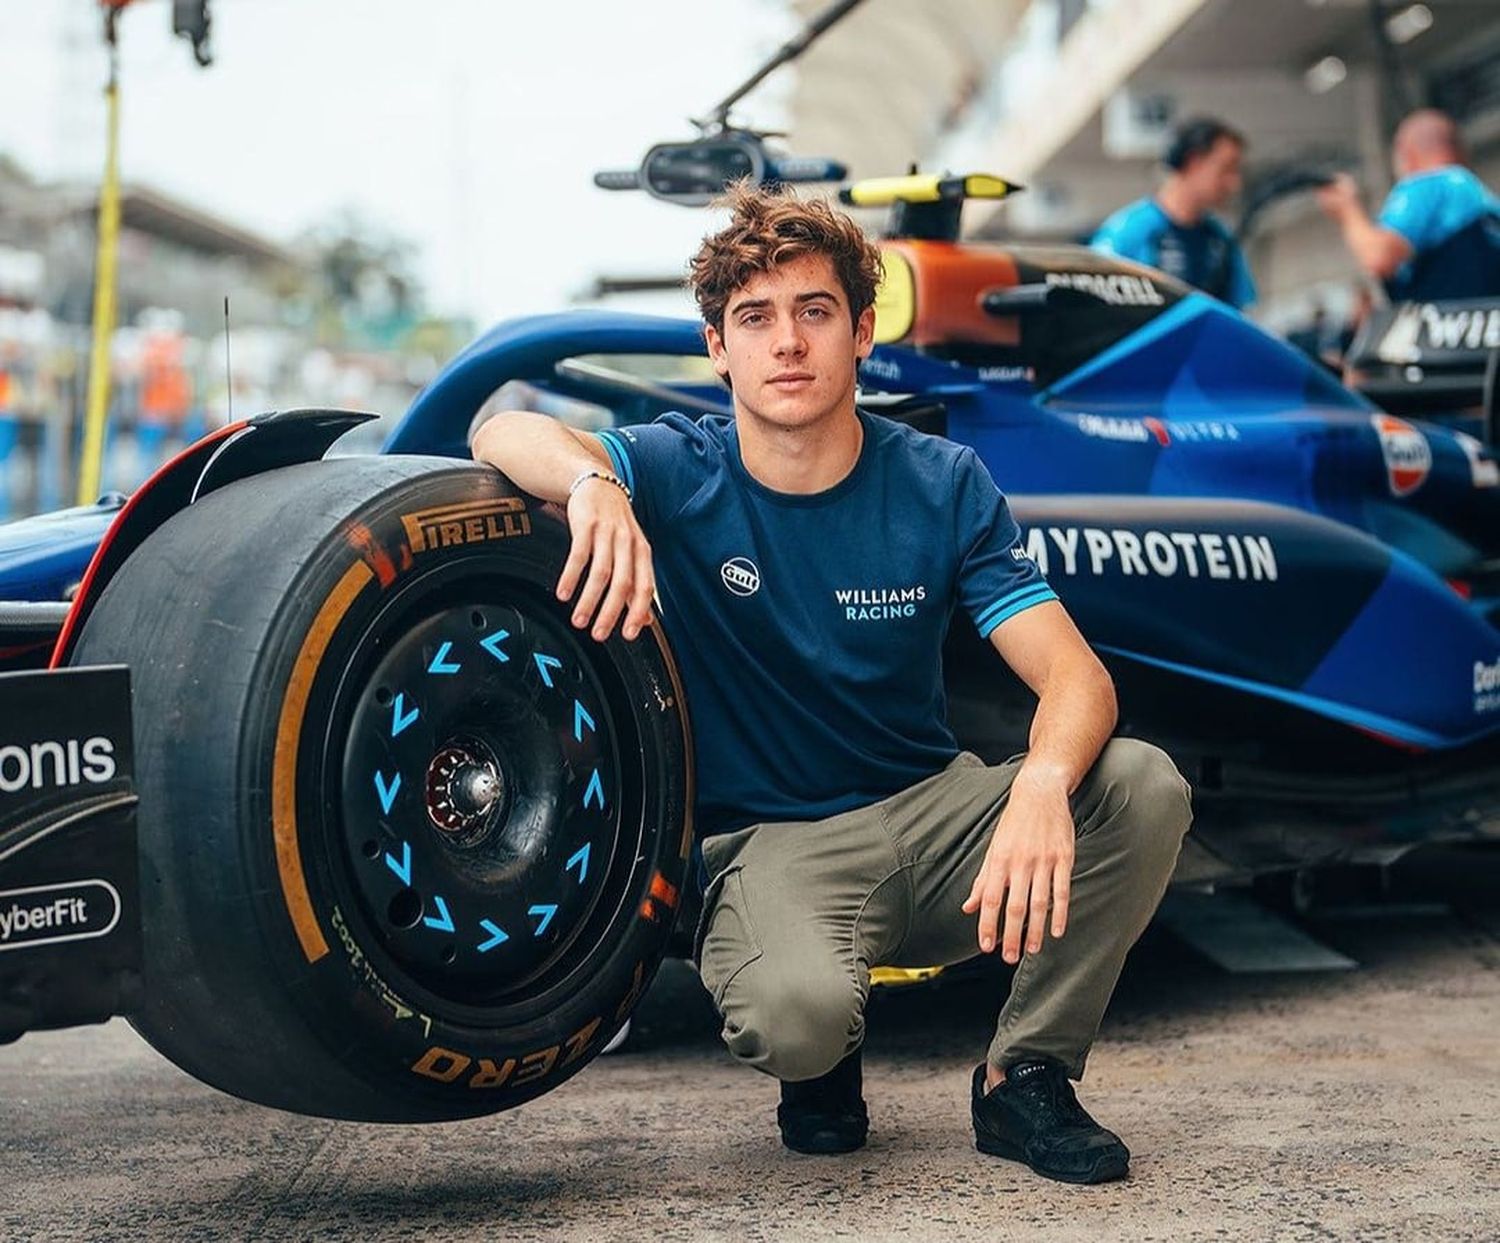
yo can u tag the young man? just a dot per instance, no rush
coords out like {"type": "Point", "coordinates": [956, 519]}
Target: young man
{"type": "Point", "coordinates": [1438, 234]}
{"type": "Point", "coordinates": [1174, 229]}
{"type": "Point", "coordinates": [809, 557]}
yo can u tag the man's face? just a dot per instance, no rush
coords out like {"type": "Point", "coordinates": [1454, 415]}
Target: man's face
{"type": "Point", "coordinates": [1215, 175]}
{"type": "Point", "coordinates": [1403, 159]}
{"type": "Point", "coordinates": [788, 346]}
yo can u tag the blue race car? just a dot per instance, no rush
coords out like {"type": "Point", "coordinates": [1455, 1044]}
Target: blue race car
{"type": "Point", "coordinates": [432, 844]}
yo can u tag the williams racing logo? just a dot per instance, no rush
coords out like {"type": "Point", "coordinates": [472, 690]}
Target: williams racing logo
{"type": "Point", "coordinates": [881, 603]}
{"type": "Point", "coordinates": [1422, 328]}
{"type": "Point", "coordinates": [472, 522]}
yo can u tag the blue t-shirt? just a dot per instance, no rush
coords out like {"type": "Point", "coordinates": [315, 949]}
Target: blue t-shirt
{"type": "Point", "coordinates": [1444, 209]}
{"type": "Point", "coordinates": [809, 628]}
{"type": "Point", "coordinates": [1203, 255]}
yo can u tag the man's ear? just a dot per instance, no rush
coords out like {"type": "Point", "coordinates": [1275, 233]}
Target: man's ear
{"type": "Point", "coordinates": [716, 352]}
{"type": "Point", "coordinates": [864, 333]}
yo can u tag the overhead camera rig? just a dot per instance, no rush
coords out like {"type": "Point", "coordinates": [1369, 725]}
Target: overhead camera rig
{"type": "Point", "coordinates": [190, 19]}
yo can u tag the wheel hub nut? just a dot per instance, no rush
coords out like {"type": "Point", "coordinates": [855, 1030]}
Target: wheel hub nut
{"type": "Point", "coordinates": [463, 786]}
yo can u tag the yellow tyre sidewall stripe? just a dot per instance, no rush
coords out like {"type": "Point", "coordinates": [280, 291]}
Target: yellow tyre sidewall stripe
{"type": "Point", "coordinates": [284, 763]}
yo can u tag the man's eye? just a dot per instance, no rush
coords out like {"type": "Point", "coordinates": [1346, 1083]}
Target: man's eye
{"type": "Point", "coordinates": [818, 312]}
{"type": "Point", "coordinates": [752, 319]}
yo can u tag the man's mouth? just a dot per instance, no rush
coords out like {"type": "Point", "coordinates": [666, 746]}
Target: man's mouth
{"type": "Point", "coordinates": [791, 379]}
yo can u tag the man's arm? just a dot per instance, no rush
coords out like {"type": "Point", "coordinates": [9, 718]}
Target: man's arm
{"type": "Point", "coordinates": [1124, 237]}
{"type": "Point", "coordinates": [1378, 250]}
{"type": "Point", "coordinates": [1241, 291]}
{"type": "Point", "coordinates": [1029, 864]}
{"type": "Point", "coordinates": [545, 458]}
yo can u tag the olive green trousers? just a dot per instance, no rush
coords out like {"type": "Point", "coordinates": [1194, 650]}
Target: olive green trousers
{"type": "Point", "coordinates": [797, 913]}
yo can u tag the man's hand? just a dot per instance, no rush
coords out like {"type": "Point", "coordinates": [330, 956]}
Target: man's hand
{"type": "Point", "coordinates": [1339, 197]}
{"type": "Point", "coordinates": [545, 458]}
{"type": "Point", "coordinates": [1378, 250]}
{"type": "Point", "coordinates": [1027, 868]}
{"type": "Point", "coordinates": [608, 540]}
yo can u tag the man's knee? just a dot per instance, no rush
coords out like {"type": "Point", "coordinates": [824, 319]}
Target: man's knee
{"type": "Point", "coordinates": [793, 1026]}
{"type": "Point", "coordinates": [1154, 797]}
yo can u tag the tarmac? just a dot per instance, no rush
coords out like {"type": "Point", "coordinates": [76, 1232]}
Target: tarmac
{"type": "Point", "coordinates": [1360, 1104]}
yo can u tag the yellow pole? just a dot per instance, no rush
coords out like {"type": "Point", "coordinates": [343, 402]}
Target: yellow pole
{"type": "Point", "coordinates": [96, 411]}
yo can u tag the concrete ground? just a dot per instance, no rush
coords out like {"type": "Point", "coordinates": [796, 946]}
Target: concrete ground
{"type": "Point", "coordinates": [1361, 1105]}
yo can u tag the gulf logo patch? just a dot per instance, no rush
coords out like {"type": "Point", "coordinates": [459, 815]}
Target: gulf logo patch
{"type": "Point", "coordinates": [1408, 456]}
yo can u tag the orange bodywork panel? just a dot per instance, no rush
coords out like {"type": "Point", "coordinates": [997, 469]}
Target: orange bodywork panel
{"type": "Point", "coordinates": [931, 294]}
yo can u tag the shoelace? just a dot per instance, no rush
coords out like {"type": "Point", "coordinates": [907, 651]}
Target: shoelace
{"type": "Point", "coordinates": [1052, 1094]}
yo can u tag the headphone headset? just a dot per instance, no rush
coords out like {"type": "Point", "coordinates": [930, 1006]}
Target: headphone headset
{"type": "Point", "coordinates": [1194, 137]}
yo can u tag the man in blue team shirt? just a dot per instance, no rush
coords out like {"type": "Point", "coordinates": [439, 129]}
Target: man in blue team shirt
{"type": "Point", "coordinates": [1174, 229]}
{"type": "Point", "coordinates": [1438, 234]}
{"type": "Point", "coordinates": [809, 557]}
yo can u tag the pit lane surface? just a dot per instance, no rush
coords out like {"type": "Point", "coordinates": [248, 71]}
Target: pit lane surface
{"type": "Point", "coordinates": [1350, 1105]}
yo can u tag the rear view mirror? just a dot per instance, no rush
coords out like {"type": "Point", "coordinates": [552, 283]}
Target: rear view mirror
{"type": "Point", "coordinates": [692, 173]}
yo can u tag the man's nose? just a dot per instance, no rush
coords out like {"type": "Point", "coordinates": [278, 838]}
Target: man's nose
{"type": "Point", "coordinates": [789, 339]}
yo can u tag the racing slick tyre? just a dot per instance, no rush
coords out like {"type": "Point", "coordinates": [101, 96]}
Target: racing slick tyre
{"type": "Point", "coordinates": [411, 845]}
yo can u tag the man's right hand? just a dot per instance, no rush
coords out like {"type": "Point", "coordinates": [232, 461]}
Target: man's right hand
{"type": "Point", "coordinates": [1339, 197]}
{"type": "Point", "coordinates": [610, 543]}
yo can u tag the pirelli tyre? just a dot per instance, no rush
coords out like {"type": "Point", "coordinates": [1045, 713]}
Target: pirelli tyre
{"type": "Point", "coordinates": [411, 845]}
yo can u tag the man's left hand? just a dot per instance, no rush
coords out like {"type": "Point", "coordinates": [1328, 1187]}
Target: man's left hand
{"type": "Point", "coordinates": [1027, 868]}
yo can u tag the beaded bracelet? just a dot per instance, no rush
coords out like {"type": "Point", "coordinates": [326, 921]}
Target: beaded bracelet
{"type": "Point", "coordinates": [605, 475]}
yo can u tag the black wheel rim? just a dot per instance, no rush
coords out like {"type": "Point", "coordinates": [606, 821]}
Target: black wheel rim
{"type": "Point", "coordinates": [481, 791]}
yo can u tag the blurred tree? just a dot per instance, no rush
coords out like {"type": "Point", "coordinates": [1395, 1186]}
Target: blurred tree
{"type": "Point", "coordinates": [357, 288]}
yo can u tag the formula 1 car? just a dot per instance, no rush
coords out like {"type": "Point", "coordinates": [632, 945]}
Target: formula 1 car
{"type": "Point", "coordinates": [410, 848]}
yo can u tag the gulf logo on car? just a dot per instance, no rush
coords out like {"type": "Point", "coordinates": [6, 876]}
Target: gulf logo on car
{"type": "Point", "coordinates": [1408, 457]}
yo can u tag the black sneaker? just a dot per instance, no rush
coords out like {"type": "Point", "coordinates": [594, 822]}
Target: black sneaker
{"type": "Point", "coordinates": [1035, 1118]}
{"type": "Point", "coordinates": [827, 1114]}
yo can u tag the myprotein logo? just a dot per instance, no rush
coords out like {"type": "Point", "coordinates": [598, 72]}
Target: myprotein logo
{"type": "Point", "coordinates": [473, 522]}
{"type": "Point", "coordinates": [1408, 456]}
{"type": "Point", "coordinates": [1161, 554]}
{"type": "Point", "coordinates": [56, 764]}
{"type": "Point", "coordinates": [1487, 686]}
{"type": "Point", "coordinates": [740, 576]}
{"type": "Point", "coordinates": [47, 914]}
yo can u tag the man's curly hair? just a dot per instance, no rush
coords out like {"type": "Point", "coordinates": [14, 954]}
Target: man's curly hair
{"type": "Point", "coordinates": [770, 227]}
